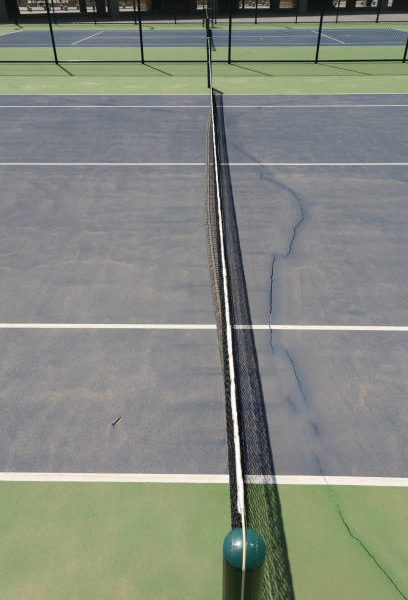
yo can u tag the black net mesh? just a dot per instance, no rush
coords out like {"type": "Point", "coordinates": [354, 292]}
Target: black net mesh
{"type": "Point", "coordinates": [263, 509]}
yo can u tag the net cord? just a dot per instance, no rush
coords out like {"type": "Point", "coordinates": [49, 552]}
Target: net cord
{"type": "Point", "coordinates": [231, 361]}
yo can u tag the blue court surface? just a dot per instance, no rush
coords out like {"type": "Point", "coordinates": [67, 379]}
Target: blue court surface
{"type": "Point", "coordinates": [196, 37]}
{"type": "Point", "coordinates": [106, 298]}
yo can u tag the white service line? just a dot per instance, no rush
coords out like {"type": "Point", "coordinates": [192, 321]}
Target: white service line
{"type": "Point", "coordinates": [373, 328]}
{"type": "Point", "coordinates": [86, 38]}
{"type": "Point", "coordinates": [110, 106]}
{"type": "Point", "coordinates": [11, 32]}
{"type": "Point", "coordinates": [201, 164]}
{"type": "Point", "coordinates": [170, 326]}
{"type": "Point", "coordinates": [201, 479]}
{"type": "Point", "coordinates": [98, 164]}
{"type": "Point", "coordinates": [328, 36]}
{"type": "Point", "coordinates": [240, 106]}
{"type": "Point", "coordinates": [316, 164]}
{"type": "Point", "coordinates": [204, 326]}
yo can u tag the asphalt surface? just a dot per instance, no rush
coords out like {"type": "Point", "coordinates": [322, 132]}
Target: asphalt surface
{"type": "Point", "coordinates": [197, 37]}
{"type": "Point", "coordinates": [127, 244]}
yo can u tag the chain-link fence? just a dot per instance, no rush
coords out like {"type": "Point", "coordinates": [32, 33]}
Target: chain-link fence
{"type": "Point", "coordinates": [85, 30]}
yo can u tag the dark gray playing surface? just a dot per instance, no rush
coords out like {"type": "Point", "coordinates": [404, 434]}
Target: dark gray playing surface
{"type": "Point", "coordinates": [126, 244]}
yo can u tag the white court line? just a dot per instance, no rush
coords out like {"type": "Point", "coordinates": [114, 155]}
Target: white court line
{"type": "Point", "coordinates": [70, 106]}
{"type": "Point", "coordinates": [328, 36]}
{"type": "Point", "coordinates": [317, 164]}
{"type": "Point", "coordinates": [86, 38]}
{"type": "Point", "coordinates": [209, 326]}
{"type": "Point", "coordinates": [98, 164]}
{"type": "Point", "coordinates": [201, 479]}
{"type": "Point", "coordinates": [201, 164]}
{"type": "Point", "coordinates": [170, 326]}
{"type": "Point", "coordinates": [11, 32]}
{"type": "Point", "coordinates": [372, 328]}
{"type": "Point", "coordinates": [110, 106]}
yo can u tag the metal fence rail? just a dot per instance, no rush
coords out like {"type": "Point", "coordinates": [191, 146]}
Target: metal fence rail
{"type": "Point", "coordinates": [251, 34]}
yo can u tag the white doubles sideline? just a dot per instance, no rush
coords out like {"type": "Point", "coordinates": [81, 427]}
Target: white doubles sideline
{"type": "Point", "coordinates": [200, 479]}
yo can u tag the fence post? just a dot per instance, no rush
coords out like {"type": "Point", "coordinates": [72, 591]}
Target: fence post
{"type": "Point", "coordinates": [297, 10]}
{"type": "Point", "coordinates": [53, 11]}
{"type": "Point", "coordinates": [139, 11]}
{"type": "Point", "coordinates": [319, 36]}
{"type": "Point", "coordinates": [379, 9]}
{"type": "Point", "coordinates": [94, 10]}
{"type": "Point", "coordinates": [47, 6]}
{"type": "Point", "coordinates": [404, 59]}
{"type": "Point", "coordinates": [134, 12]}
{"type": "Point", "coordinates": [229, 31]}
{"type": "Point", "coordinates": [337, 12]}
{"type": "Point", "coordinates": [256, 10]}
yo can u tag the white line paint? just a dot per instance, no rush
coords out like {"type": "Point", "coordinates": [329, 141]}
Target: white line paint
{"type": "Point", "coordinates": [329, 480]}
{"type": "Point", "coordinates": [318, 164]}
{"type": "Point", "coordinates": [204, 326]}
{"type": "Point", "coordinates": [110, 106]}
{"type": "Point", "coordinates": [372, 328]}
{"type": "Point", "coordinates": [86, 38]}
{"type": "Point", "coordinates": [98, 164]}
{"type": "Point", "coordinates": [200, 479]}
{"type": "Point", "coordinates": [201, 164]}
{"type": "Point", "coordinates": [160, 326]}
{"type": "Point", "coordinates": [11, 32]}
{"type": "Point", "coordinates": [328, 36]}
{"type": "Point", "coordinates": [183, 106]}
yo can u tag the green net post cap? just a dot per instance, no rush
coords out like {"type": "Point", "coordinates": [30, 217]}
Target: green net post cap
{"type": "Point", "coordinates": [232, 572]}
{"type": "Point", "coordinates": [255, 548]}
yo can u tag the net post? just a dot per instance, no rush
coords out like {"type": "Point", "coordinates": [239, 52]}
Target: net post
{"type": "Point", "coordinates": [232, 565]}
{"type": "Point", "coordinates": [256, 10]}
{"type": "Point", "coordinates": [319, 36]}
{"type": "Point", "coordinates": [337, 11]}
{"type": "Point", "coordinates": [47, 6]}
{"type": "Point", "coordinates": [139, 12]}
{"type": "Point", "coordinates": [297, 11]}
{"type": "Point", "coordinates": [229, 30]}
{"type": "Point", "coordinates": [404, 58]}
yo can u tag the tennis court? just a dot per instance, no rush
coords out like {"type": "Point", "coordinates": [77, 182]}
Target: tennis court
{"type": "Point", "coordinates": [194, 37]}
{"type": "Point", "coordinates": [115, 472]}
{"type": "Point", "coordinates": [187, 42]}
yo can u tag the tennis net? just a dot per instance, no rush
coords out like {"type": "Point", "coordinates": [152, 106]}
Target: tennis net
{"type": "Point", "coordinates": [222, 299]}
{"type": "Point", "coordinates": [254, 498]}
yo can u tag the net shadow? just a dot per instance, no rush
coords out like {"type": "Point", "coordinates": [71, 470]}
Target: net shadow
{"type": "Point", "coordinates": [263, 507]}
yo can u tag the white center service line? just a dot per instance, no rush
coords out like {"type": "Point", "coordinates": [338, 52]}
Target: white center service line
{"type": "Point", "coordinates": [201, 479]}
{"type": "Point", "coordinates": [86, 38]}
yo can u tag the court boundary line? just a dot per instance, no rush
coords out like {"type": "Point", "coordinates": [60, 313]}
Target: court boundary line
{"type": "Point", "coordinates": [181, 478]}
{"type": "Point", "coordinates": [202, 164]}
{"type": "Point", "coordinates": [206, 95]}
{"type": "Point", "coordinates": [86, 38]}
{"type": "Point", "coordinates": [195, 106]}
{"type": "Point", "coordinates": [206, 326]}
